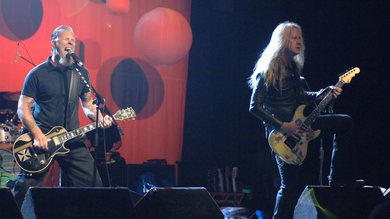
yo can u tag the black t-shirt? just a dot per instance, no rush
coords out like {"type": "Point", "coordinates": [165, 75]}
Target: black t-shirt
{"type": "Point", "coordinates": [49, 86]}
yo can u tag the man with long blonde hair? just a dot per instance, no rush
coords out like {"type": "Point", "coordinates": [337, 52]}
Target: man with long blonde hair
{"type": "Point", "coordinates": [278, 89]}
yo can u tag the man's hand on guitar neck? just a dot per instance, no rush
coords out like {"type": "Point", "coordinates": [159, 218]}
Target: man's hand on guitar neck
{"type": "Point", "coordinates": [105, 122]}
{"type": "Point", "coordinates": [336, 91]}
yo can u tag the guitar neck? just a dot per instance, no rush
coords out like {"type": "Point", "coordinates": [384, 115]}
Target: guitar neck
{"type": "Point", "coordinates": [77, 132]}
{"type": "Point", "coordinates": [321, 106]}
{"type": "Point", "coordinates": [123, 114]}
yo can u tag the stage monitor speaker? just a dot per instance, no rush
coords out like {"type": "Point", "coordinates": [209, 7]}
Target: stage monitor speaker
{"type": "Point", "coordinates": [337, 202]}
{"type": "Point", "coordinates": [142, 177]}
{"type": "Point", "coordinates": [73, 202]}
{"type": "Point", "coordinates": [178, 203]}
{"type": "Point", "coordinates": [8, 206]}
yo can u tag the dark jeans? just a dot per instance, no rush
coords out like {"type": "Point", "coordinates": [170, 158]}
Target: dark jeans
{"type": "Point", "coordinates": [295, 178]}
{"type": "Point", "coordinates": [77, 170]}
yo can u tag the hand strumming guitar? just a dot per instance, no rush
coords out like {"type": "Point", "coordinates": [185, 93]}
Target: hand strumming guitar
{"type": "Point", "coordinates": [40, 139]}
{"type": "Point", "coordinates": [293, 129]}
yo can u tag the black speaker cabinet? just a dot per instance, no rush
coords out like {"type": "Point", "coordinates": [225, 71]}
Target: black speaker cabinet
{"type": "Point", "coordinates": [84, 202]}
{"type": "Point", "coordinates": [113, 175]}
{"type": "Point", "coordinates": [8, 207]}
{"type": "Point", "coordinates": [178, 203]}
{"type": "Point", "coordinates": [337, 202]}
{"type": "Point", "coordinates": [142, 177]}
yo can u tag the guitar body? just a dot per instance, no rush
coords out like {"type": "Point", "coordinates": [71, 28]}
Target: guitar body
{"type": "Point", "coordinates": [34, 160]}
{"type": "Point", "coordinates": [289, 149]}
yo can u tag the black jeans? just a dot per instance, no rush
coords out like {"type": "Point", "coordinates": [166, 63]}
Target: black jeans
{"type": "Point", "coordinates": [77, 170]}
{"type": "Point", "coordinates": [342, 169]}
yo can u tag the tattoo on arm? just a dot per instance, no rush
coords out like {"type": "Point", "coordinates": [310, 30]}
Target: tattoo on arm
{"type": "Point", "coordinates": [87, 97]}
{"type": "Point", "coordinates": [88, 107]}
{"type": "Point", "coordinates": [25, 113]}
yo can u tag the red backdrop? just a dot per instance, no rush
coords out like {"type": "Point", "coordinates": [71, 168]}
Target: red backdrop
{"type": "Point", "coordinates": [136, 52]}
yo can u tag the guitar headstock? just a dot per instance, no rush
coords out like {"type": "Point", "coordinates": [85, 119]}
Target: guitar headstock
{"type": "Point", "coordinates": [123, 114]}
{"type": "Point", "coordinates": [347, 76]}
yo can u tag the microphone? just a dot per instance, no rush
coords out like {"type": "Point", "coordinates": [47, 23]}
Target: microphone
{"type": "Point", "coordinates": [74, 56]}
{"type": "Point", "coordinates": [17, 53]}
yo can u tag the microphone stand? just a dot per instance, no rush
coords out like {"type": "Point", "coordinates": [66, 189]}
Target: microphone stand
{"type": "Point", "coordinates": [32, 63]}
{"type": "Point", "coordinates": [99, 101]}
{"type": "Point", "coordinates": [17, 55]}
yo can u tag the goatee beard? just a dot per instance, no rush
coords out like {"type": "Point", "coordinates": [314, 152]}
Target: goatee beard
{"type": "Point", "coordinates": [66, 61]}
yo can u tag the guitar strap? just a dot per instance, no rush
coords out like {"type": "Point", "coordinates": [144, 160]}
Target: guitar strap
{"type": "Point", "coordinates": [71, 92]}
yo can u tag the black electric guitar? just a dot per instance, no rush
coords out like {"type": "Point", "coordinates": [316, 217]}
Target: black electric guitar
{"type": "Point", "coordinates": [293, 150]}
{"type": "Point", "coordinates": [34, 160]}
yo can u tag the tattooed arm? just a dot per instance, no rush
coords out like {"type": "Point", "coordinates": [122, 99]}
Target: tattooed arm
{"type": "Point", "coordinates": [90, 111]}
{"type": "Point", "coordinates": [25, 115]}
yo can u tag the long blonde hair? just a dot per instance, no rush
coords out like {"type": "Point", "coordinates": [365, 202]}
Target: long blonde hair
{"type": "Point", "coordinates": [272, 64]}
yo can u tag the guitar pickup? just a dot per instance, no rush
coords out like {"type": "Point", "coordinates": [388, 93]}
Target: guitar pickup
{"type": "Point", "coordinates": [56, 141]}
{"type": "Point", "coordinates": [290, 142]}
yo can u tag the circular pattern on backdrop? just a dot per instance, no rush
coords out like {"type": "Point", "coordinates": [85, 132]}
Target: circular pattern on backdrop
{"type": "Point", "coordinates": [163, 36]}
{"type": "Point", "coordinates": [118, 6]}
{"type": "Point", "coordinates": [20, 19]}
{"type": "Point", "coordinates": [132, 83]}
{"type": "Point", "coordinates": [70, 8]}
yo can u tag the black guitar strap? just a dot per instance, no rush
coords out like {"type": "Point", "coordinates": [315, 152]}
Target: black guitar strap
{"type": "Point", "coordinates": [71, 93]}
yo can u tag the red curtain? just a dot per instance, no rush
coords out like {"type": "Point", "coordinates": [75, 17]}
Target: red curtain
{"type": "Point", "coordinates": [136, 52]}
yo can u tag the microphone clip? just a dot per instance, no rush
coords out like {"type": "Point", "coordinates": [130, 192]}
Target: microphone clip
{"type": "Point", "coordinates": [76, 59]}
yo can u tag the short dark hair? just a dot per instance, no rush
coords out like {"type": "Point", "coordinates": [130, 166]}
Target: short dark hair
{"type": "Point", "coordinates": [57, 31]}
